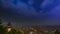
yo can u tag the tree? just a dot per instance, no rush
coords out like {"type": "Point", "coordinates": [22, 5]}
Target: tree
{"type": "Point", "coordinates": [13, 31]}
{"type": "Point", "coordinates": [2, 30]}
{"type": "Point", "coordinates": [25, 32]}
{"type": "Point", "coordinates": [18, 32]}
{"type": "Point", "coordinates": [57, 32]}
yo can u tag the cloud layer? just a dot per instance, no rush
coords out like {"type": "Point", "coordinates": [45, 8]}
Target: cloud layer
{"type": "Point", "coordinates": [50, 9]}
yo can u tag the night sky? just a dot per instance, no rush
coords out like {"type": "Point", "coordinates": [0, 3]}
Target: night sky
{"type": "Point", "coordinates": [30, 12]}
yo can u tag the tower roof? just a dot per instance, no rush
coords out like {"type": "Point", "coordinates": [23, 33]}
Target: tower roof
{"type": "Point", "coordinates": [9, 24]}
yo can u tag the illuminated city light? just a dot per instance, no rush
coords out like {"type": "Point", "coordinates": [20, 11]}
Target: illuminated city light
{"type": "Point", "coordinates": [9, 29]}
{"type": "Point", "coordinates": [32, 28]}
{"type": "Point", "coordinates": [35, 30]}
{"type": "Point", "coordinates": [31, 32]}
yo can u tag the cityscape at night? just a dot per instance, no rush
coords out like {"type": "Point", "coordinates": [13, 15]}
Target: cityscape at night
{"type": "Point", "coordinates": [28, 29]}
{"type": "Point", "coordinates": [29, 16]}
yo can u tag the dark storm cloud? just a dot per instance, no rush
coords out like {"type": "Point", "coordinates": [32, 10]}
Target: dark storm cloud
{"type": "Point", "coordinates": [21, 11]}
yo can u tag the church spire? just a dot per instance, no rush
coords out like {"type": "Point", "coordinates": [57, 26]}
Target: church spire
{"type": "Point", "coordinates": [9, 24]}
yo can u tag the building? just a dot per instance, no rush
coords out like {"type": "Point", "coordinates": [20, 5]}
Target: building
{"type": "Point", "coordinates": [9, 27]}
